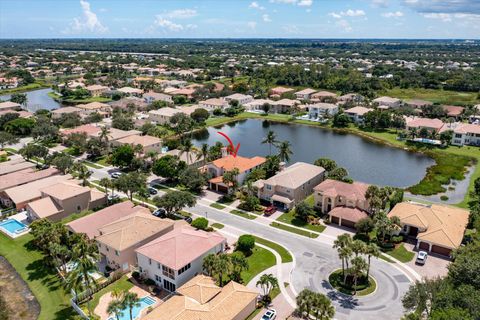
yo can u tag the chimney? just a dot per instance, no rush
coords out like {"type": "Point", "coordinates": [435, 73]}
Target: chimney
{"type": "Point", "coordinates": [282, 166]}
{"type": "Point", "coordinates": [224, 152]}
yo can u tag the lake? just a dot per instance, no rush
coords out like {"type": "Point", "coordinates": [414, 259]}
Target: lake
{"type": "Point", "coordinates": [37, 99]}
{"type": "Point", "coordinates": [365, 160]}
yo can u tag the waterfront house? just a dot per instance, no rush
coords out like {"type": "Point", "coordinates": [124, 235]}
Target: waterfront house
{"type": "Point", "coordinates": [284, 105]}
{"type": "Point", "coordinates": [177, 256]}
{"type": "Point", "coordinates": [214, 103]}
{"type": "Point", "coordinates": [129, 91]}
{"type": "Point", "coordinates": [151, 96]}
{"type": "Point", "coordinates": [96, 90]}
{"type": "Point", "coordinates": [305, 94]}
{"type": "Point", "coordinates": [277, 92]}
{"type": "Point", "coordinates": [257, 105]}
{"type": "Point", "coordinates": [324, 96]}
{"type": "Point", "coordinates": [242, 99]}
{"type": "Point", "coordinates": [119, 239]}
{"type": "Point", "coordinates": [418, 123]}
{"type": "Point", "coordinates": [57, 113]}
{"type": "Point", "coordinates": [437, 228]}
{"type": "Point", "coordinates": [345, 203]}
{"type": "Point", "coordinates": [291, 185]}
{"type": "Point", "coordinates": [202, 299]}
{"type": "Point", "coordinates": [466, 134]}
{"type": "Point", "coordinates": [10, 106]}
{"type": "Point", "coordinates": [388, 101]}
{"type": "Point", "coordinates": [357, 113]}
{"type": "Point", "coordinates": [148, 143]}
{"type": "Point", "coordinates": [321, 109]}
{"type": "Point", "coordinates": [162, 116]}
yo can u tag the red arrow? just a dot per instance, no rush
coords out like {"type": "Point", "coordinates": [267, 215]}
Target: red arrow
{"type": "Point", "coordinates": [232, 150]}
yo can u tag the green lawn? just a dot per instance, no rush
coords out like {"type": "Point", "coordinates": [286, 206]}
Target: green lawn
{"type": "Point", "coordinates": [42, 280]}
{"type": "Point", "coordinates": [336, 280]}
{"type": "Point", "coordinates": [77, 101]}
{"type": "Point", "coordinates": [29, 87]}
{"type": "Point", "coordinates": [284, 254]}
{"type": "Point", "coordinates": [289, 217]}
{"type": "Point", "coordinates": [75, 216]}
{"type": "Point", "coordinates": [121, 284]}
{"type": "Point", "coordinates": [217, 206]}
{"type": "Point", "coordinates": [401, 254]}
{"type": "Point", "coordinates": [435, 96]}
{"type": "Point", "coordinates": [243, 214]}
{"type": "Point", "coordinates": [92, 165]}
{"type": "Point", "coordinates": [301, 232]}
{"type": "Point", "coordinates": [103, 161]}
{"type": "Point", "coordinates": [260, 260]}
{"type": "Point", "coordinates": [217, 225]}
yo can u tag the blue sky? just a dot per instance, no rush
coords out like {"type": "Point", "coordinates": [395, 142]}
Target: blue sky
{"type": "Point", "coordinates": [240, 19]}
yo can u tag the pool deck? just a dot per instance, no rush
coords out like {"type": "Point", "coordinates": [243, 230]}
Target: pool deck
{"type": "Point", "coordinates": [101, 309]}
{"type": "Point", "coordinates": [20, 217]}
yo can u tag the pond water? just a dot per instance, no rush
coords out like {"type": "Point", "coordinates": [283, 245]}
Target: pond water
{"type": "Point", "coordinates": [37, 99]}
{"type": "Point", "coordinates": [365, 161]}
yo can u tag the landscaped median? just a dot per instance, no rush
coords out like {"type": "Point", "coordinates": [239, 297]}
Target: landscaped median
{"type": "Point", "coordinates": [298, 231]}
{"type": "Point", "coordinates": [284, 253]}
{"type": "Point", "coordinates": [362, 288]}
{"type": "Point", "coordinates": [243, 214]}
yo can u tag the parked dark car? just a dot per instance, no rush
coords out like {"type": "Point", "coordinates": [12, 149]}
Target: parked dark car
{"type": "Point", "coordinates": [152, 190]}
{"type": "Point", "coordinates": [160, 213]}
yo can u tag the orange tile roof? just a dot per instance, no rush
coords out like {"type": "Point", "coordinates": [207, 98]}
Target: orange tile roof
{"type": "Point", "coordinates": [243, 164]}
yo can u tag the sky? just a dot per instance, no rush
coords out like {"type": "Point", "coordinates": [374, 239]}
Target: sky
{"type": "Point", "coordinates": [418, 19]}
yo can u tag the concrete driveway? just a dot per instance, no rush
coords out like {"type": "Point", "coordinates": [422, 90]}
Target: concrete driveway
{"type": "Point", "coordinates": [436, 266]}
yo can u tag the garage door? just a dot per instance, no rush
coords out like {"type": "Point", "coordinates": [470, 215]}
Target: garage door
{"type": "Point", "coordinates": [423, 246]}
{"type": "Point", "coordinates": [335, 220]}
{"type": "Point", "coordinates": [441, 250]}
{"type": "Point", "coordinates": [347, 223]}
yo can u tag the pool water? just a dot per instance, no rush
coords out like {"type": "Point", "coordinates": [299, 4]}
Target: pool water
{"type": "Point", "coordinates": [145, 302]}
{"type": "Point", "coordinates": [13, 226]}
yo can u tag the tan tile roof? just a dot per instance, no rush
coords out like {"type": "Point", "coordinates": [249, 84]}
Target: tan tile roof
{"type": "Point", "coordinates": [322, 94]}
{"type": "Point", "coordinates": [93, 106]}
{"type": "Point", "coordinates": [29, 191]}
{"type": "Point", "coordinates": [129, 90]}
{"type": "Point", "coordinates": [444, 225]}
{"type": "Point", "coordinates": [16, 163]}
{"type": "Point", "coordinates": [417, 122]}
{"type": "Point", "coordinates": [91, 223]}
{"type": "Point", "coordinates": [306, 91]}
{"type": "Point", "coordinates": [64, 190]}
{"type": "Point", "coordinates": [181, 246]}
{"type": "Point", "coordinates": [166, 111]}
{"type": "Point", "coordinates": [241, 163]}
{"type": "Point", "coordinates": [88, 129]}
{"type": "Point", "coordinates": [66, 110]}
{"type": "Point", "coordinates": [25, 176]}
{"type": "Point", "coordinates": [285, 102]}
{"type": "Point", "coordinates": [358, 110]}
{"type": "Point", "coordinates": [9, 105]}
{"type": "Point", "coordinates": [384, 99]}
{"type": "Point", "coordinates": [219, 102]}
{"type": "Point", "coordinates": [281, 90]}
{"type": "Point", "coordinates": [467, 128]}
{"type": "Point", "coordinates": [350, 214]}
{"type": "Point", "coordinates": [333, 188]}
{"type": "Point", "coordinates": [115, 134]}
{"type": "Point", "coordinates": [94, 87]}
{"type": "Point", "coordinates": [295, 175]}
{"type": "Point", "coordinates": [145, 141]}
{"type": "Point", "coordinates": [193, 303]}
{"type": "Point", "coordinates": [45, 207]}
{"type": "Point", "coordinates": [453, 111]}
{"type": "Point", "coordinates": [132, 229]}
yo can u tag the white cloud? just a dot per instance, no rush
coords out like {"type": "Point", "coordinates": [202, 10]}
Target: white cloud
{"type": "Point", "coordinates": [396, 14]}
{"type": "Point", "coordinates": [348, 13]}
{"type": "Point", "coordinates": [463, 19]}
{"type": "Point", "coordinates": [305, 3]}
{"type": "Point", "coordinates": [380, 3]}
{"type": "Point", "coordinates": [344, 25]}
{"type": "Point", "coordinates": [266, 18]}
{"type": "Point", "coordinates": [181, 14]}
{"type": "Point", "coordinates": [88, 23]}
{"type": "Point", "coordinates": [167, 24]}
{"type": "Point", "coordinates": [445, 17]}
{"type": "Point", "coordinates": [252, 25]}
{"type": "Point", "coordinates": [255, 5]}
{"type": "Point", "coordinates": [301, 3]}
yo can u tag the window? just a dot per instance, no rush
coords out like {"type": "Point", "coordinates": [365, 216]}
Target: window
{"type": "Point", "coordinates": [157, 278]}
{"type": "Point", "coordinates": [168, 272]}
{"type": "Point", "coordinates": [183, 269]}
{"type": "Point", "coordinates": [288, 190]}
{"type": "Point", "coordinates": [107, 249]}
{"type": "Point", "coordinates": [117, 253]}
{"type": "Point", "coordinates": [150, 261]}
{"type": "Point", "coordinates": [167, 285]}
{"type": "Point", "coordinates": [269, 187]}
{"type": "Point", "coordinates": [79, 208]}
{"type": "Point", "coordinates": [159, 266]}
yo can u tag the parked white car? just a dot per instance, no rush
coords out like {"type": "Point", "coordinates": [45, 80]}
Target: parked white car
{"type": "Point", "coordinates": [270, 315]}
{"type": "Point", "coordinates": [421, 257]}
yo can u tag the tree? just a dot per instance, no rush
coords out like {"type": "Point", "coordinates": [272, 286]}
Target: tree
{"type": "Point", "coordinates": [222, 267]}
{"type": "Point", "coordinates": [203, 153]}
{"type": "Point", "coordinates": [359, 266]}
{"type": "Point", "coordinates": [250, 203]}
{"type": "Point", "coordinates": [303, 211]}
{"type": "Point", "coordinates": [122, 156]}
{"type": "Point", "coordinates": [44, 131]}
{"type": "Point", "coordinates": [106, 183]}
{"type": "Point", "coordinates": [322, 307]}
{"type": "Point", "coordinates": [175, 201]}
{"type": "Point", "coordinates": [7, 138]}
{"type": "Point", "coordinates": [267, 283]}
{"type": "Point", "coordinates": [423, 295]}
{"type": "Point", "coordinates": [131, 183]}
{"type": "Point", "coordinates": [115, 307]}
{"type": "Point", "coordinates": [168, 166]}
{"type": "Point", "coordinates": [325, 163]}
{"type": "Point", "coordinates": [192, 179]}
{"type": "Point", "coordinates": [465, 268]}
{"type": "Point", "coordinates": [20, 126]}
{"type": "Point", "coordinates": [371, 250]}
{"type": "Point", "coordinates": [270, 139]}
{"type": "Point", "coordinates": [342, 244]}
{"type": "Point", "coordinates": [123, 122]}
{"type": "Point", "coordinates": [77, 142]}
{"type": "Point", "coordinates": [446, 137]}
{"type": "Point", "coordinates": [181, 123]}
{"type": "Point", "coordinates": [83, 173]}
{"type": "Point", "coordinates": [266, 107]}
{"type": "Point", "coordinates": [245, 244]}
{"type": "Point", "coordinates": [338, 174]}
{"type": "Point", "coordinates": [271, 166]}
{"type": "Point", "coordinates": [20, 98]}
{"type": "Point", "coordinates": [239, 264]}
{"type": "Point", "coordinates": [186, 147]}
{"type": "Point", "coordinates": [200, 223]}
{"type": "Point", "coordinates": [7, 117]}
{"type": "Point", "coordinates": [284, 151]}
{"type": "Point", "coordinates": [209, 263]}
{"type": "Point", "coordinates": [341, 120]}
{"type": "Point", "coordinates": [305, 302]}
{"type": "Point", "coordinates": [200, 115]}
{"type": "Point", "coordinates": [130, 300]}
{"type": "Point", "coordinates": [229, 178]}
{"type": "Point", "coordinates": [62, 162]}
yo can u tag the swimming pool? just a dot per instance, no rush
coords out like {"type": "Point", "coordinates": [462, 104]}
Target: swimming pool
{"type": "Point", "coordinates": [145, 302]}
{"type": "Point", "coordinates": [13, 227]}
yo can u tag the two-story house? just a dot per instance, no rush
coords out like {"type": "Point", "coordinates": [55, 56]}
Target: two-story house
{"type": "Point", "coordinates": [321, 109]}
{"type": "Point", "coordinates": [356, 113]}
{"type": "Point", "coordinates": [466, 134]}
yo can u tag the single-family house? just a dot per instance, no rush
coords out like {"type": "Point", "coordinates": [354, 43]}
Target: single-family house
{"type": "Point", "coordinates": [214, 103]}
{"type": "Point", "coordinates": [163, 115]}
{"type": "Point", "coordinates": [16, 163]}
{"type": "Point", "coordinates": [466, 134]}
{"type": "Point", "coordinates": [60, 200]}
{"type": "Point", "coordinates": [202, 299]}
{"type": "Point", "coordinates": [305, 94]}
{"type": "Point", "coordinates": [98, 107]}
{"type": "Point", "coordinates": [427, 123]}
{"type": "Point", "coordinates": [119, 239]}
{"type": "Point", "coordinates": [218, 167]}
{"type": "Point", "coordinates": [177, 256]}
{"type": "Point", "coordinates": [417, 104]}
{"type": "Point", "coordinates": [453, 111]}
{"type": "Point", "coordinates": [437, 228]}
{"type": "Point", "coordinates": [242, 99]}
{"type": "Point", "coordinates": [354, 98]}
{"type": "Point", "coordinates": [291, 185]}
{"type": "Point", "coordinates": [129, 91]}
{"type": "Point", "coordinates": [257, 105]}
{"type": "Point", "coordinates": [345, 203]}
{"type": "Point", "coordinates": [152, 96]}
{"type": "Point", "coordinates": [186, 92]}
{"type": "Point", "coordinates": [322, 109]}
{"type": "Point", "coordinates": [324, 96]}
{"type": "Point", "coordinates": [279, 91]}
{"type": "Point", "coordinates": [10, 106]}
{"type": "Point", "coordinates": [357, 113]}
{"type": "Point", "coordinates": [92, 223]}
{"type": "Point", "coordinates": [96, 90]}
{"type": "Point", "coordinates": [388, 101]}
{"type": "Point", "coordinates": [148, 143]}
{"type": "Point", "coordinates": [57, 113]}
{"type": "Point", "coordinates": [284, 105]}
{"type": "Point", "coordinates": [25, 176]}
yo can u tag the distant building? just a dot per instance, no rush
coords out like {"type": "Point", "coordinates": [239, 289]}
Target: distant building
{"type": "Point", "coordinates": [357, 113]}
{"type": "Point", "coordinates": [305, 94]}
{"type": "Point", "coordinates": [242, 99]}
{"type": "Point", "coordinates": [388, 101]}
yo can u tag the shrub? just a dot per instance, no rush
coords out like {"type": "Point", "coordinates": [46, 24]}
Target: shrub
{"type": "Point", "coordinates": [397, 239]}
{"type": "Point", "coordinates": [245, 244]}
{"type": "Point", "coordinates": [444, 198]}
{"type": "Point", "coordinates": [136, 275]}
{"type": "Point", "coordinates": [200, 223]}
{"type": "Point", "coordinates": [150, 282]}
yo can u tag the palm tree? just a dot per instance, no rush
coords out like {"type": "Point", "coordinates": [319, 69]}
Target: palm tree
{"type": "Point", "coordinates": [209, 263]}
{"type": "Point", "coordinates": [84, 270]}
{"type": "Point", "coordinates": [152, 154]}
{"type": "Point", "coordinates": [267, 282]}
{"type": "Point", "coordinates": [230, 179]}
{"type": "Point", "coordinates": [322, 307]}
{"type": "Point", "coordinates": [342, 244]}
{"type": "Point", "coordinates": [305, 302]}
{"type": "Point", "coordinates": [116, 307]}
{"type": "Point", "coordinates": [284, 151]}
{"type": "Point", "coordinates": [83, 173]}
{"type": "Point", "coordinates": [203, 152]}
{"type": "Point", "coordinates": [106, 183]}
{"type": "Point", "coordinates": [357, 247]}
{"type": "Point", "coordinates": [239, 264]}
{"type": "Point", "coordinates": [130, 300]}
{"type": "Point", "coordinates": [344, 254]}
{"type": "Point", "coordinates": [371, 250]}
{"type": "Point", "coordinates": [73, 283]}
{"type": "Point", "coordinates": [186, 147]}
{"type": "Point", "coordinates": [270, 139]}
{"type": "Point", "coordinates": [359, 265]}
{"type": "Point", "coordinates": [103, 136]}
{"type": "Point", "coordinates": [222, 267]}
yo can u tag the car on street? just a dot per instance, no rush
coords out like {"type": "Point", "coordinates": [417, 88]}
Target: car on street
{"type": "Point", "coordinates": [269, 315]}
{"type": "Point", "coordinates": [160, 213]}
{"type": "Point", "coordinates": [421, 257]}
{"type": "Point", "coordinates": [113, 197]}
{"type": "Point", "coordinates": [269, 210]}
{"type": "Point", "coordinates": [152, 190]}
{"type": "Point", "coordinates": [115, 175]}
